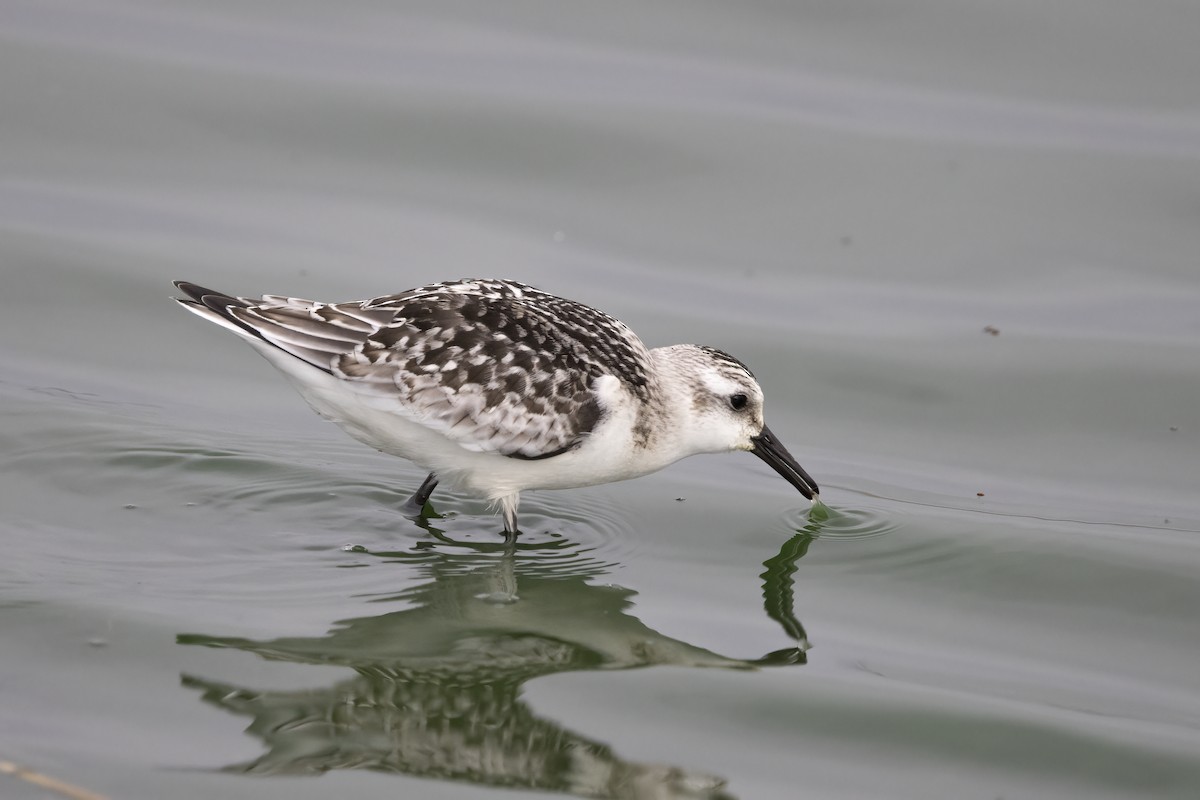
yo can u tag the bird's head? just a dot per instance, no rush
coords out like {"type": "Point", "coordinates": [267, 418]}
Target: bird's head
{"type": "Point", "coordinates": [727, 413]}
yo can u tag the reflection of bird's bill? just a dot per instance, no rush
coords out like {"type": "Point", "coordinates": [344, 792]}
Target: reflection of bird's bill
{"type": "Point", "coordinates": [768, 448]}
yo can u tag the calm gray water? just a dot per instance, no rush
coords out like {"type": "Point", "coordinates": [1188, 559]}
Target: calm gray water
{"type": "Point", "coordinates": [957, 243]}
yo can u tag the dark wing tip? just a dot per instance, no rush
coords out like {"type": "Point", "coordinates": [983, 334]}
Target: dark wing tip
{"type": "Point", "coordinates": [199, 293]}
{"type": "Point", "coordinates": [192, 290]}
{"type": "Point", "coordinates": [216, 301]}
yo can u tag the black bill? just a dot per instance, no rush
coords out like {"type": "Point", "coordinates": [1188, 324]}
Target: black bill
{"type": "Point", "coordinates": [768, 448]}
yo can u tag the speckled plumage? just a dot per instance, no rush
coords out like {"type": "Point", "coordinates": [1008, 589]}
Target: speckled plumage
{"type": "Point", "coordinates": [455, 375]}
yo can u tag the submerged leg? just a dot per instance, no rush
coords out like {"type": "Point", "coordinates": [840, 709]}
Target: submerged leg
{"type": "Point", "coordinates": [427, 486]}
{"type": "Point", "coordinates": [418, 500]}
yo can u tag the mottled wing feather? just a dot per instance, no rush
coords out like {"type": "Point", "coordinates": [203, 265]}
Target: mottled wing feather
{"type": "Point", "coordinates": [496, 366]}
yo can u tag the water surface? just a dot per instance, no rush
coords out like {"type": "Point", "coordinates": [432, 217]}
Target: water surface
{"type": "Point", "coordinates": [957, 245]}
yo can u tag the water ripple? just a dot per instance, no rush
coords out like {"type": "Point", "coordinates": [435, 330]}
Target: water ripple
{"type": "Point", "coordinates": [562, 536]}
{"type": "Point", "coordinates": [835, 522]}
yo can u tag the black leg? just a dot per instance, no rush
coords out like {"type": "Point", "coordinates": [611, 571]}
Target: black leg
{"type": "Point", "coordinates": [510, 524]}
{"type": "Point", "coordinates": [418, 500]}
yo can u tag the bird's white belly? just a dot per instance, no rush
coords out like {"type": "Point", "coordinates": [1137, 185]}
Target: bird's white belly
{"type": "Point", "coordinates": [608, 454]}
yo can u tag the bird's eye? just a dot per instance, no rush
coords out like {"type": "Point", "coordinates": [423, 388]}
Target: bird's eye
{"type": "Point", "coordinates": [738, 401]}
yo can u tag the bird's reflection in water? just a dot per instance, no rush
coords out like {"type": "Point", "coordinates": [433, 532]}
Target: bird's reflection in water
{"type": "Point", "coordinates": [437, 690]}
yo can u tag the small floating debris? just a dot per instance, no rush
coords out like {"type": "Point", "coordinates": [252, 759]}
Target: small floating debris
{"type": "Point", "coordinates": [353, 548]}
{"type": "Point", "coordinates": [991, 330]}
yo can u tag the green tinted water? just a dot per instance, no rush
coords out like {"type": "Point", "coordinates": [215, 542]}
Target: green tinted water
{"type": "Point", "coordinates": [966, 282]}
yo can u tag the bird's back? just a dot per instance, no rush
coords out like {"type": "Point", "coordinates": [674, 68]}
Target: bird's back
{"type": "Point", "coordinates": [496, 366]}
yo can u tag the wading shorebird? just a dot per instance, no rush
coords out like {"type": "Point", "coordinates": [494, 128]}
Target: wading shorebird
{"type": "Point", "coordinates": [496, 387]}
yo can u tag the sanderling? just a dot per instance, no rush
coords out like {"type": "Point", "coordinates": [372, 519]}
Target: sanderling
{"type": "Point", "coordinates": [496, 387]}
